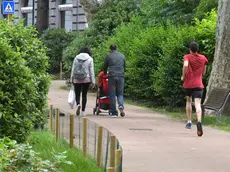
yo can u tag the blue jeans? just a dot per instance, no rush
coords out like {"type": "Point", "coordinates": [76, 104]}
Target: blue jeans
{"type": "Point", "coordinates": [116, 88]}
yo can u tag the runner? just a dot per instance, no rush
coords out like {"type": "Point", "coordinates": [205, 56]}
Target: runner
{"type": "Point", "coordinates": [193, 69]}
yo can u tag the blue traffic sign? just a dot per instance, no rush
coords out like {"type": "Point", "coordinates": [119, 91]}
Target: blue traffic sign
{"type": "Point", "coordinates": [8, 7]}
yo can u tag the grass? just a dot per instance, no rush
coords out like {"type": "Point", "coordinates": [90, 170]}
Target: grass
{"type": "Point", "coordinates": [179, 114]}
{"type": "Point", "coordinates": [65, 87]}
{"type": "Point", "coordinates": [44, 143]}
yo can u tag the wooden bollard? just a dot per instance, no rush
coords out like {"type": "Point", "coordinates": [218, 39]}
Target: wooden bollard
{"type": "Point", "coordinates": [51, 118]}
{"type": "Point", "coordinates": [110, 169]}
{"type": "Point", "coordinates": [99, 145]}
{"type": "Point", "coordinates": [71, 131]}
{"type": "Point", "coordinates": [84, 133]}
{"type": "Point", "coordinates": [112, 150]}
{"type": "Point", "coordinates": [118, 159]}
{"type": "Point", "coordinates": [57, 124]}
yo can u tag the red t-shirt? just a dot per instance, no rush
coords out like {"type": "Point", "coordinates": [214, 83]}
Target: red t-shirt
{"type": "Point", "coordinates": [196, 65]}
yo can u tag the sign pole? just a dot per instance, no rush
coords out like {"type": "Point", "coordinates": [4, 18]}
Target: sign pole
{"type": "Point", "coordinates": [9, 17]}
{"type": "Point", "coordinates": [33, 12]}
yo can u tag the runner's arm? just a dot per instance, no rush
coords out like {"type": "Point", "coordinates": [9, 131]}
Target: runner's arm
{"type": "Point", "coordinates": [184, 69]}
{"type": "Point", "coordinates": [205, 69]}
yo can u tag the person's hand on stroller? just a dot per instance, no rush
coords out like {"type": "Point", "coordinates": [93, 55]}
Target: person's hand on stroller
{"type": "Point", "coordinates": [93, 86]}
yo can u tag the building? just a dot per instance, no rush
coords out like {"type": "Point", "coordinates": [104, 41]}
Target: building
{"type": "Point", "coordinates": [68, 14]}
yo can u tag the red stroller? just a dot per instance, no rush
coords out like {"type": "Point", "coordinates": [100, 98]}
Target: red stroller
{"type": "Point", "coordinates": [102, 100]}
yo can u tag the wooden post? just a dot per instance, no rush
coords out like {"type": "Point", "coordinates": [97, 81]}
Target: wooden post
{"type": "Point", "coordinates": [84, 133]}
{"type": "Point", "coordinates": [71, 131]}
{"type": "Point", "coordinates": [61, 70]}
{"type": "Point", "coordinates": [57, 124]}
{"type": "Point", "coordinates": [99, 145]}
{"type": "Point", "coordinates": [110, 169]}
{"type": "Point", "coordinates": [118, 159]}
{"type": "Point", "coordinates": [51, 119]}
{"type": "Point", "coordinates": [112, 150]}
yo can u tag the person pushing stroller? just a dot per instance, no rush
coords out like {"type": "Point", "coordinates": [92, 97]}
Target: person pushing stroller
{"type": "Point", "coordinates": [115, 63]}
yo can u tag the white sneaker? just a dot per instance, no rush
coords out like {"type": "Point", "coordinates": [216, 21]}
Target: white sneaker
{"type": "Point", "coordinates": [82, 113]}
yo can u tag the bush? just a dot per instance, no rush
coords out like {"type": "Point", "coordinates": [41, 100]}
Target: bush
{"type": "Point", "coordinates": [141, 48]}
{"type": "Point", "coordinates": [56, 40]}
{"type": "Point", "coordinates": [21, 157]}
{"type": "Point", "coordinates": [155, 57]}
{"type": "Point", "coordinates": [24, 80]}
{"type": "Point", "coordinates": [168, 84]}
{"type": "Point", "coordinates": [109, 15]}
{"type": "Point", "coordinates": [167, 78]}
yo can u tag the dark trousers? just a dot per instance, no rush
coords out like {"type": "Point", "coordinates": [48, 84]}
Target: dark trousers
{"type": "Point", "coordinates": [78, 88]}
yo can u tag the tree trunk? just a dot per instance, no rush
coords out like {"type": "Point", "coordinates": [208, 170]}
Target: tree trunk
{"type": "Point", "coordinates": [42, 15]}
{"type": "Point", "coordinates": [220, 75]}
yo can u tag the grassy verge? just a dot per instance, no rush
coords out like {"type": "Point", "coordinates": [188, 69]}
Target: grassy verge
{"type": "Point", "coordinates": [44, 143]}
{"type": "Point", "coordinates": [179, 114]}
{"type": "Point", "coordinates": [65, 87]}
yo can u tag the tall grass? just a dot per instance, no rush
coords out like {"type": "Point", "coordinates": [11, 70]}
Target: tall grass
{"type": "Point", "coordinates": [44, 143]}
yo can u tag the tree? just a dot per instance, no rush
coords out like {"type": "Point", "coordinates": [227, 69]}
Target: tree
{"type": "Point", "coordinates": [42, 15]}
{"type": "Point", "coordinates": [220, 75]}
{"type": "Point", "coordinates": [90, 7]}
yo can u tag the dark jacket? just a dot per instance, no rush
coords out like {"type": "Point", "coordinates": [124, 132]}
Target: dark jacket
{"type": "Point", "coordinates": [115, 64]}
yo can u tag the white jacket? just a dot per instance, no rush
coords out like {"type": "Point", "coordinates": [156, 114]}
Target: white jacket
{"type": "Point", "coordinates": [88, 64]}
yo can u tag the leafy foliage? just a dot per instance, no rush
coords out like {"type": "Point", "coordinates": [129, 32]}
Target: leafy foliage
{"type": "Point", "coordinates": [21, 157]}
{"type": "Point", "coordinates": [177, 11]}
{"type": "Point", "coordinates": [154, 39]}
{"type": "Point", "coordinates": [24, 81]}
{"type": "Point", "coordinates": [56, 40]}
{"type": "Point", "coordinates": [168, 84]}
{"type": "Point", "coordinates": [204, 7]}
{"type": "Point", "coordinates": [107, 16]}
{"type": "Point", "coordinates": [155, 57]}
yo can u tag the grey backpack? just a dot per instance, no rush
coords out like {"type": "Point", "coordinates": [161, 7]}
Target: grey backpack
{"type": "Point", "coordinates": [79, 72]}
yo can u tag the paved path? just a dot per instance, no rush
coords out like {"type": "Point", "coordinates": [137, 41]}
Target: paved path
{"type": "Point", "coordinates": [166, 146]}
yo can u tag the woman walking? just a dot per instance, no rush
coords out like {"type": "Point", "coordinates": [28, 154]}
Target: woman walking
{"type": "Point", "coordinates": [82, 76]}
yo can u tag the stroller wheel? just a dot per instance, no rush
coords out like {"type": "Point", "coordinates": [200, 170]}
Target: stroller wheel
{"type": "Point", "coordinates": [97, 111]}
{"type": "Point", "coordinates": [94, 111]}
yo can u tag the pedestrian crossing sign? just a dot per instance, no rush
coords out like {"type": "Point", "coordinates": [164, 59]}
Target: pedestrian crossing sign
{"type": "Point", "coordinates": [8, 7]}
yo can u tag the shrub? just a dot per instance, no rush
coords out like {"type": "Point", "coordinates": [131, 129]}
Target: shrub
{"type": "Point", "coordinates": [17, 90]}
{"type": "Point", "coordinates": [168, 84]}
{"type": "Point", "coordinates": [155, 56]}
{"type": "Point", "coordinates": [109, 15]}
{"type": "Point", "coordinates": [167, 78]}
{"type": "Point", "coordinates": [21, 157]}
{"type": "Point", "coordinates": [24, 80]}
{"type": "Point", "coordinates": [56, 40]}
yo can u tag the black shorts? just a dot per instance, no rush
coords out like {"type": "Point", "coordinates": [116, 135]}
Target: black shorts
{"type": "Point", "coordinates": [194, 92]}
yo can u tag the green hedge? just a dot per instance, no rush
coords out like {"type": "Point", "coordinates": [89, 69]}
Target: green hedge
{"type": "Point", "coordinates": [56, 40]}
{"type": "Point", "coordinates": [154, 48]}
{"type": "Point", "coordinates": [24, 82]}
{"type": "Point", "coordinates": [155, 57]}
